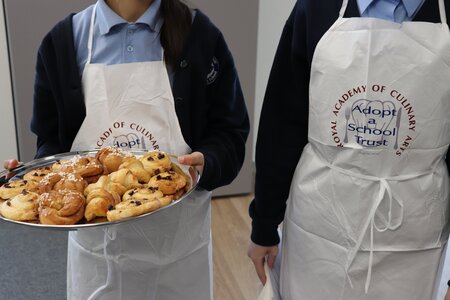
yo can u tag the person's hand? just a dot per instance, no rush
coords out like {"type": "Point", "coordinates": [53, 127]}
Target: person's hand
{"type": "Point", "coordinates": [259, 254]}
{"type": "Point", "coordinates": [195, 159]}
{"type": "Point", "coordinates": [447, 296]}
{"type": "Point", "coordinates": [10, 164]}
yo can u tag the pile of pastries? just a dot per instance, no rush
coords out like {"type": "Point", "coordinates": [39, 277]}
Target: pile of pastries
{"type": "Point", "coordinates": [112, 185]}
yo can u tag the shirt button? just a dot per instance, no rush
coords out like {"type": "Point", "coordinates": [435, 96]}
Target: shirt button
{"type": "Point", "coordinates": [130, 48]}
{"type": "Point", "coordinates": [183, 64]}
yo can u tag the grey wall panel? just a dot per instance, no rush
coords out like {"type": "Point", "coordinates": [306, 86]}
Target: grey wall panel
{"type": "Point", "coordinates": [27, 23]}
{"type": "Point", "coordinates": [238, 21]}
{"type": "Point", "coordinates": [7, 121]}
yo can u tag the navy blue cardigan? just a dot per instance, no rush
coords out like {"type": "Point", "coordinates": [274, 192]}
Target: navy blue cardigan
{"type": "Point", "coordinates": [283, 128]}
{"type": "Point", "coordinates": [213, 117]}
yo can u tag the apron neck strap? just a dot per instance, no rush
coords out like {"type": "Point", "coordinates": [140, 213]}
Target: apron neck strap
{"type": "Point", "coordinates": [91, 35]}
{"type": "Point", "coordinates": [343, 8]}
{"type": "Point", "coordinates": [441, 10]}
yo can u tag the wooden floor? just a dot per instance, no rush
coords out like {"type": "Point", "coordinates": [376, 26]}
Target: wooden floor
{"type": "Point", "coordinates": [234, 274]}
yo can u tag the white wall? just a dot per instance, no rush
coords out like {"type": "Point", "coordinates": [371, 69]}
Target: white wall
{"type": "Point", "coordinates": [238, 21]}
{"type": "Point", "coordinates": [7, 126]}
{"type": "Point", "coordinates": [271, 20]}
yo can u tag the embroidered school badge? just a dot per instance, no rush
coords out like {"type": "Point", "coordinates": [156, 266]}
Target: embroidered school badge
{"type": "Point", "coordinates": [213, 71]}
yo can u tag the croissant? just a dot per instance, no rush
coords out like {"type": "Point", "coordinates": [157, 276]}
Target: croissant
{"type": "Point", "coordinates": [106, 183]}
{"type": "Point", "coordinates": [98, 202]}
{"type": "Point", "coordinates": [63, 207]}
{"type": "Point", "coordinates": [111, 158]}
{"type": "Point", "coordinates": [136, 167]}
{"type": "Point", "coordinates": [125, 178]}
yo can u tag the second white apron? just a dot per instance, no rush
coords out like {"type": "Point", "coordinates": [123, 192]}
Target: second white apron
{"type": "Point", "coordinates": [368, 205]}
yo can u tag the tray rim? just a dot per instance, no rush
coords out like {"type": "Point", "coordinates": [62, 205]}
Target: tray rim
{"type": "Point", "coordinates": [39, 162]}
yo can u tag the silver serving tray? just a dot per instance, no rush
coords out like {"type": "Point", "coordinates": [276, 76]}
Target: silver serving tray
{"type": "Point", "coordinates": [20, 171]}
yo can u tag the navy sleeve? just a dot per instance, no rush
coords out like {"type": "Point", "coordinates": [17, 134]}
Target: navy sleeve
{"type": "Point", "coordinates": [223, 144]}
{"type": "Point", "coordinates": [44, 122]}
{"type": "Point", "coordinates": [58, 105]}
{"type": "Point", "coordinates": [283, 130]}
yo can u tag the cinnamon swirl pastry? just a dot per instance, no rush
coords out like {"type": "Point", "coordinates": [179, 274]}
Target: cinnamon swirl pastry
{"type": "Point", "coordinates": [22, 207]}
{"type": "Point", "coordinates": [156, 162]}
{"type": "Point", "coordinates": [145, 194]}
{"type": "Point", "coordinates": [13, 188]}
{"type": "Point", "coordinates": [37, 174]}
{"type": "Point", "coordinates": [168, 183]}
{"type": "Point", "coordinates": [131, 208]}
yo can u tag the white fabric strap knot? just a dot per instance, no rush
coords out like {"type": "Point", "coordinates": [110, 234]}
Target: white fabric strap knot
{"type": "Point", "coordinates": [388, 222]}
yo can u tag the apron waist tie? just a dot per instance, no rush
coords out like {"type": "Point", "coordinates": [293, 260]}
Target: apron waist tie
{"type": "Point", "coordinates": [387, 221]}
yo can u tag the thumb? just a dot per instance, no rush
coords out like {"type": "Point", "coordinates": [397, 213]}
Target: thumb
{"type": "Point", "coordinates": [193, 159]}
{"type": "Point", "coordinates": [10, 164]}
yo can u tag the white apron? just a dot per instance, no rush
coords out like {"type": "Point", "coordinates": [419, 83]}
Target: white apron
{"type": "Point", "coordinates": [368, 205]}
{"type": "Point", "coordinates": [166, 256]}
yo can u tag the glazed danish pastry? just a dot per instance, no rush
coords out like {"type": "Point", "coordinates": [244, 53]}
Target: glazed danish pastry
{"type": "Point", "coordinates": [85, 166]}
{"type": "Point", "coordinates": [62, 181]}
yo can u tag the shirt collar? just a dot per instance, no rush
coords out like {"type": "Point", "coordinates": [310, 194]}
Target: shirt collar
{"type": "Point", "coordinates": [410, 5]}
{"type": "Point", "coordinates": [107, 18]}
{"type": "Point", "coordinates": [364, 4]}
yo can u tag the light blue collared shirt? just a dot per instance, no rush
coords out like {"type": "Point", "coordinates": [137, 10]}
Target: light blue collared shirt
{"type": "Point", "coordinates": [117, 41]}
{"type": "Point", "coordinates": [392, 10]}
